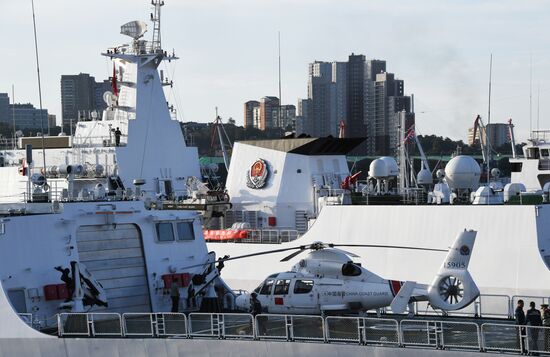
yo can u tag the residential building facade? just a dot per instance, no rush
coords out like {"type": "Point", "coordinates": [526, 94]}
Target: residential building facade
{"type": "Point", "coordinates": [362, 95]}
{"type": "Point", "coordinates": [80, 96]}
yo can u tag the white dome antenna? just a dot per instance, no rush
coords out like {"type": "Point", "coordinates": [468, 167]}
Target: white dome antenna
{"type": "Point", "coordinates": [134, 29]}
{"type": "Point", "coordinates": [110, 99]}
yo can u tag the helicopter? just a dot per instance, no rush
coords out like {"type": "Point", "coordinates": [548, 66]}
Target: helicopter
{"type": "Point", "coordinates": [327, 281]}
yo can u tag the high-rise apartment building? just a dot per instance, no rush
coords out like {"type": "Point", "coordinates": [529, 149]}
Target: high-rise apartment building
{"type": "Point", "coordinates": [497, 132]}
{"type": "Point", "coordinates": [356, 121]}
{"type": "Point", "coordinates": [80, 96]}
{"type": "Point", "coordinates": [359, 93]}
{"type": "Point", "coordinates": [28, 117]}
{"type": "Point", "coordinates": [5, 116]}
{"type": "Point", "coordinates": [249, 113]}
{"type": "Point", "coordinates": [321, 92]}
{"type": "Point", "coordinates": [25, 116]}
{"type": "Point", "coordinates": [269, 113]}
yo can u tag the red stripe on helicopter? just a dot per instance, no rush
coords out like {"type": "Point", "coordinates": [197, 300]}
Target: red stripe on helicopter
{"type": "Point", "coordinates": [395, 286]}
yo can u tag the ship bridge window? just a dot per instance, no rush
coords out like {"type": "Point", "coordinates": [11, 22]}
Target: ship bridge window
{"type": "Point", "coordinates": [533, 153]}
{"type": "Point", "coordinates": [185, 231]}
{"type": "Point", "coordinates": [281, 287]}
{"type": "Point", "coordinates": [266, 288]}
{"type": "Point", "coordinates": [303, 286]}
{"type": "Point", "coordinates": [544, 153]}
{"type": "Point", "coordinates": [515, 167]}
{"type": "Point", "coordinates": [351, 269]}
{"type": "Point", "coordinates": [165, 232]}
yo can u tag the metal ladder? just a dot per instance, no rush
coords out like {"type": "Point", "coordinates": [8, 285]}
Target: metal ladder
{"type": "Point", "coordinates": [217, 325]}
{"type": "Point", "coordinates": [435, 331]}
{"type": "Point", "coordinates": [160, 325]}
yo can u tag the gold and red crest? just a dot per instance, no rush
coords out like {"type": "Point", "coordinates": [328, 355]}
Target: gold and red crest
{"type": "Point", "coordinates": [256, 177]}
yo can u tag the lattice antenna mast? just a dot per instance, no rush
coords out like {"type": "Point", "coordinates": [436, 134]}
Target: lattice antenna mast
{"type": "Point", "coordinates": [155, 18]}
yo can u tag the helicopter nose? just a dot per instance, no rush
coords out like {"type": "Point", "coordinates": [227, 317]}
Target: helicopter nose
{"type": "Point", "coordinates": [242, 302]}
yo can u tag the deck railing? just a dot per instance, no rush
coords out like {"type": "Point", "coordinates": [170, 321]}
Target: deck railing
{"type": "Point", "coordinates": [419, 333]}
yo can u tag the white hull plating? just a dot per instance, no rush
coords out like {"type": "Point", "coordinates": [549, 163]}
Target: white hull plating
{"type": "Point", "coordinates": [508, 258]}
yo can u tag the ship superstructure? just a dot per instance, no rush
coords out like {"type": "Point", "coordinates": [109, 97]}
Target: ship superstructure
{"type": "Point", "coordinates": [86, 223]}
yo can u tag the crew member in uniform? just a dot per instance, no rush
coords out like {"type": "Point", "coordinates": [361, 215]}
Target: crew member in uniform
{"type": "Point", "coordinates": [255, 305]}
{"type": "Point", "coordinates": [255, 309]}
{"type": "Point", "coordinates": [175, 295]}
{"type": "Point", "coordinates": [118, 134]}
{"type": "Point", "coordinates": [533, 318]}
{"type": "Point", "coordinates": [519, 315]}
{"type": "Point", "coordinates": [545, 312]}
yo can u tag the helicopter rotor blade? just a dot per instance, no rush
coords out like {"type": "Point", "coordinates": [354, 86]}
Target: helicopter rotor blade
{"type": "Point", "coordinates": [288, 257]}
{"type": "Point", "coordinates": [301, 248]}
{"type": "Point", "coordinates": [347, 253]}
{"type": "Point", "coordinates": [388, 246]}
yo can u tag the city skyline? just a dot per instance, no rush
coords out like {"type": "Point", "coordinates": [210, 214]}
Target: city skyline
{"type": "Point", "coordinates": [440, 48]}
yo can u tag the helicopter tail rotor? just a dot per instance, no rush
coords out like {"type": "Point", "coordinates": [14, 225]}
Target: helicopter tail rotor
{"type": "Point", "coordinates": [454, 288]}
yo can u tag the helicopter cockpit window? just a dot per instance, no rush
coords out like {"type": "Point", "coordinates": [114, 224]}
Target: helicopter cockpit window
{"type": "Point", "coordinates": [281, 287]}
{"type": "Point", "coordinates": [266, 288]}
{"type": "Point", "coordinates": [351, 269]}
{"type": "Point", "coordinates": [303, 286]}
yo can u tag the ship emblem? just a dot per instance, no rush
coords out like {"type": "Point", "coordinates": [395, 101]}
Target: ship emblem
{"type": "Point", "coordinates": [464, 250]}
{"type": "Point", "coordinates": [256, 177]}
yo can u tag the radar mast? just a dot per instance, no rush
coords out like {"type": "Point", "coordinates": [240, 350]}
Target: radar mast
{"type": "Point", "coordinates": [155, 18]}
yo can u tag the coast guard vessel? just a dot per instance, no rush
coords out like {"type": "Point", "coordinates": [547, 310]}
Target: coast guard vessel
{"type": "Point", "coordinates": [93, 240]}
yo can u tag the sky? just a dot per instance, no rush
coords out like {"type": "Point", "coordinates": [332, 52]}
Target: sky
{"type": "Point", "coordinates": [228, 52]}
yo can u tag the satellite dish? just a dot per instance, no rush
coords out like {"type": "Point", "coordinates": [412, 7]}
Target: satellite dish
{"type": "Point", "coordinates": [109, 98]}
{"type": "Point", "coordinates": [134, 29]}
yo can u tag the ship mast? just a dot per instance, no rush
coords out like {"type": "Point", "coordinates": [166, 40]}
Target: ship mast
{"type": "Point", "coordinates": [156, 45]}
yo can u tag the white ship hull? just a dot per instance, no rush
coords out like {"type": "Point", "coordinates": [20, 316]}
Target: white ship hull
{"type": "Point", "coordinates": [508, 258]}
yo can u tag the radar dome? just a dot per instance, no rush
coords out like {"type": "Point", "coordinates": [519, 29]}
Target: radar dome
{"type": "Point", "coordinates": [462, 172]}
{"type": "Point", "coordinates": [391, 164]}
{"type": "Point", "coordinates": [424, 177]}
{"type": "Point", "coordinates": [378, 169]}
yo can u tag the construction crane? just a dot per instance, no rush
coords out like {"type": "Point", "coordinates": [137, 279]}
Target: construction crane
{"type": "Point", "coordinates": [480, 126]}
{"type": "Point", "coordinates": [225, 143]}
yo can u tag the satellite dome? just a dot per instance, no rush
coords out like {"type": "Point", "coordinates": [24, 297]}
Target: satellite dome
{"type": "Point", "coordinates": [424, 177]}
{"type": "Point", "coordinates": [495, 172]}
{"type": "Point", "coordinates": [462, 172]}
{"type": "Point", "coordinates": [393, 169]}
{"type": "Point", "coordinates": [378, 169]}
{"type": "Point", "coordinates": [440, 174]}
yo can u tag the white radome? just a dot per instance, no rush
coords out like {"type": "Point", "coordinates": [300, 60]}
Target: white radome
{"type": "Point", "coordinates": [378, 169]}
{"type": "Point", "coordinates": [391, 164]}
{"type": "Point", "coordinates": [462, 172]}
{"type": "Point", "coordinates": [424, 177]}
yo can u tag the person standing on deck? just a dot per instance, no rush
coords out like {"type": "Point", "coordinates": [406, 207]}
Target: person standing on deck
{"type": "Point", "coordinates": [175, 295]}
{"type": "Point", "coordinates": [533, 318]}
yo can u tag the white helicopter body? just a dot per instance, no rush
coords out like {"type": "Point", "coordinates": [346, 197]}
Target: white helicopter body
{"type": "Point", "coordinates": [327, 281]}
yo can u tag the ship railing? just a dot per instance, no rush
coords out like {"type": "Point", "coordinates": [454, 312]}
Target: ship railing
{"type": "Point", "coordinates": [538, 300]}
{"type": "Point", "coordinates": [27, 318]}
{"type": "Point", "coordinates": [486, 305]}
{"type": "Point", "coordinates": [502, 338]}
{"type": "Point", "coordinates": [89, 324]}
{"type": "Point", "coordinates": [417, 332]}
{"type": "Point", "coordinates": [98, 141]}
{"type": "Point", "coordinates": [536, 339]}
{"type": "Point", "coordinates": [221, 326]}
{"type": "Point", "coordinates": [290, 327]}
{"type": "Point", "coordinates": [380, 331]}
{"type": "Point", "coordinates": [266, 236]}
{"type": "Point", "coordinates": [163, 324]}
